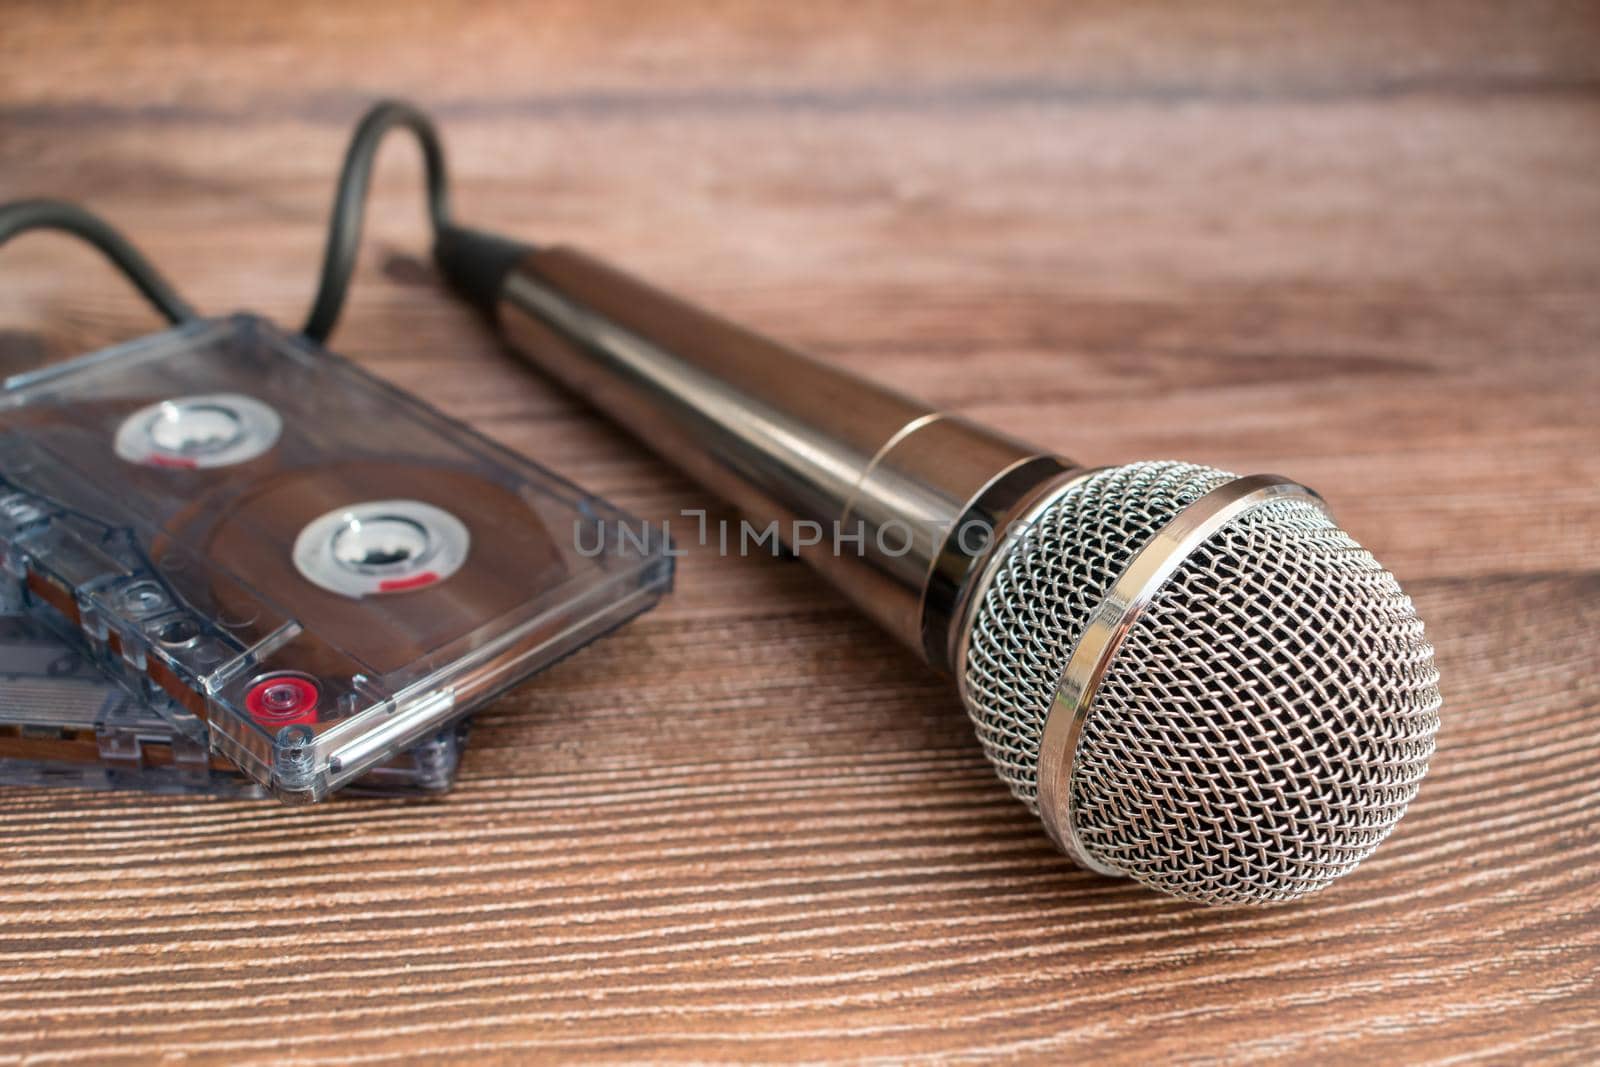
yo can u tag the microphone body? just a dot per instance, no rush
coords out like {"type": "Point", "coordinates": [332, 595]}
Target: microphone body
{"type": "Point", "coordinates": [1194, 679]}
{"type": "Point", "coordinates": [901, 496]}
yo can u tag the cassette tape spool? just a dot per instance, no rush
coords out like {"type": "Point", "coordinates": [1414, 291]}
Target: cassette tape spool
{"type": "Point", "coordinates": [323, 569]}
{"type": "Point", "coordinates": [64, 723]}
{"type": "Point", "coordinates": [196, 432]}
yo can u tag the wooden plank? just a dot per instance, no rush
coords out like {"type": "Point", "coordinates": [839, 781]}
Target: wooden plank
{"type": "Point", "coordinates": [1352, 242]}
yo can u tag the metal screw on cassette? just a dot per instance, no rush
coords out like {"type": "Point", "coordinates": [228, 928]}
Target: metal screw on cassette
{"type": "Point", "coordinates": [381, 546]}
{"type": "Point", "coordinates": [292, 770]}
{"type": "Point", "coordinates": [292, 742]}
{"type": "Point", "coordinates": [192, 432]}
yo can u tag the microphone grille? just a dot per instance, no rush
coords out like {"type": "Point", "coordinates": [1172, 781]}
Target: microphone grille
{"type": "Point", "coordinates": [1260, 728]}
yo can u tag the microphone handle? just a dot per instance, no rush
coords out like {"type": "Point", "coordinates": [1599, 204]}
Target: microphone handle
{"type": "Point", "coordinates": [909, 489]}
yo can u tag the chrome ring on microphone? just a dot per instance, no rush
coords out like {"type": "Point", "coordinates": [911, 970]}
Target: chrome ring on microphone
{"type": "Point", "coordinates": [1010, 528]}
{"type": "Point", "coordinates": [1127, 599]}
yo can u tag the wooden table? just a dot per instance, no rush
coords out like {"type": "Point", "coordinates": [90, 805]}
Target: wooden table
{"type": "Point", "coordinates": [1357, 243]}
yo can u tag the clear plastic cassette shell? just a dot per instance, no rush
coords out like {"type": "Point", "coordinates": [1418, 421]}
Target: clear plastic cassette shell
{"type": "Point", "coordinates": [191, 578]}
{"type": "Point", "coordinates": [64, 723]}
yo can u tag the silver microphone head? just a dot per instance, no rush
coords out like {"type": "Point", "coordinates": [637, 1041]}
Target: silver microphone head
{"type": "Point", "coordinates": [1200, 682]}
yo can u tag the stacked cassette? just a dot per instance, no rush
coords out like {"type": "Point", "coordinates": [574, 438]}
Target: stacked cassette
{"type": "Point", "coordinates": [266, 548]}
{"type": "Point", "coordinates": [64, 723]}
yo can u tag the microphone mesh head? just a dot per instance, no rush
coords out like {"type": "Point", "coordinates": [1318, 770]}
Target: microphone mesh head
{"type": "Point", "coordinates": [1261, 727]}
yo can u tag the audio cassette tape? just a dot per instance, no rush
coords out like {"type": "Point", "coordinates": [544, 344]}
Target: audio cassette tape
{"type": "Point", "coordinates": [321, 568]}
{"type": "Point", "coordinates": [64, 723]}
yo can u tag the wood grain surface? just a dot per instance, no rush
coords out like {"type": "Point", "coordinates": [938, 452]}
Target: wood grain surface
{"type": "Point", "coordinates": [1358, 243]}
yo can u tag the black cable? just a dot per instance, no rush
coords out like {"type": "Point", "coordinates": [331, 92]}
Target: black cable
{"type": "Point", "coordinates": [344, 229]}
{"type": "Point", "coordinates": [350, 198]}
{"type": "Point", "coordinates": [20, 216]}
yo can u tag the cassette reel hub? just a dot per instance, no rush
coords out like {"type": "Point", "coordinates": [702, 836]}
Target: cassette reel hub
{"type": "Point", "coordinates": [381, 546]}
{"type": "Point", "coordinates": [212, 430]}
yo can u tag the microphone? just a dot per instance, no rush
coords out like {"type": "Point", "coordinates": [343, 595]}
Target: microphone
{"type": "Point", "coordinates": [1194, 679]}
